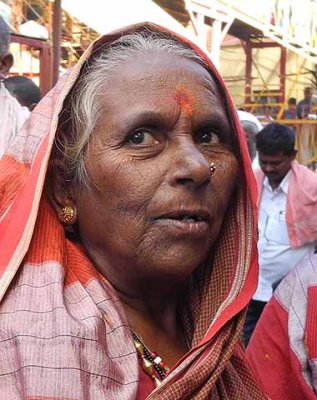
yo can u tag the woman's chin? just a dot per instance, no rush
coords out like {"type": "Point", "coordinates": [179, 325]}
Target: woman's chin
{"type": "Point", "coordinates": [177, 267]}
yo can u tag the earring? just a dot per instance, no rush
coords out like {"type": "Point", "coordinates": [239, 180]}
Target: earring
{"type": "Point", "coordinates": [66, 215]}
{"type": "Point", "coordinates": [212, 168]}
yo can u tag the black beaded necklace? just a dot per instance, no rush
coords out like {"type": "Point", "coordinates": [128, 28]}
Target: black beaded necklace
{"type": "Point", "coordinates": [152, 363]}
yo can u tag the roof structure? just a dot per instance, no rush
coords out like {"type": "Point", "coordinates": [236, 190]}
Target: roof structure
{"type": "Point", "coordinates": [292, 24]}
{"type": "Point", "coordinates": [110, 15]}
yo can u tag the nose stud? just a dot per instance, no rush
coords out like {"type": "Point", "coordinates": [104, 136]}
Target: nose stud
{"type": "Point", "coordinates": [212, 168]}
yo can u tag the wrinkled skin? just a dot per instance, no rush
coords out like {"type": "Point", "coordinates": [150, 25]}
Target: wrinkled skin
{"type": "Point", "coordinates": [152, 210]}
{"type": "Point", "coordinates": [162, 125]}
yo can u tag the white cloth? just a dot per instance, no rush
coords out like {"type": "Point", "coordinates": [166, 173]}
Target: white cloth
{"type": "Point", "coordinates": [246, 116]}
{"type": "Point", "coordinates": [12, 117]}
{"type": "Point", "coordinates": [255, 162]}
{"type": "Point", "coordinates": [276, 256]}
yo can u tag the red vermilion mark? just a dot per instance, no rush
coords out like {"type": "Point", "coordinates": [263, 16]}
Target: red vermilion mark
{"type": "Point", "coordinates": [185, 100]}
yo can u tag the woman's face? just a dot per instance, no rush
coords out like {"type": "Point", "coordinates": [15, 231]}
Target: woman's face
{"type": "Point", "coordinates": [152, 209]}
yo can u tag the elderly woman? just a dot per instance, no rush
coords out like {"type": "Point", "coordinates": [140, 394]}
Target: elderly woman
{"type": "Point", "coordinates": [128, 251]}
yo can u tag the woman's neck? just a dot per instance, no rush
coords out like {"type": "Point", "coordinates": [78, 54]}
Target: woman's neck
{"type": "Point", "coordinates": [159, 311]}
{"type": "Point", "coordinates": [156, 320]}
{"type": "Point", "coordinates": [151, 303]}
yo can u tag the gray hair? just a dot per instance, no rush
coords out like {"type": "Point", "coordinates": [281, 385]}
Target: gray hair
{"type": "Point", "coordinates": [4, 37]}
{"type": "Point", "coordinates": [85, 101]}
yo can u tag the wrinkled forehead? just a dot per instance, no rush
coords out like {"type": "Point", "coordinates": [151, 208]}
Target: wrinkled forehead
{"type": "Point", "coordinates": [179, 82]}
{"type": "Point", "coordinates": [165, 77]}
{"type": "Point", "coordinates": [165, 82]}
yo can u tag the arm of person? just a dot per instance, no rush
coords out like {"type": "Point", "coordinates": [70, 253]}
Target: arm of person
{"type": "Point", "coordinates": [12, 117]}
{"type": "Point", "coordinates": [272, 358]}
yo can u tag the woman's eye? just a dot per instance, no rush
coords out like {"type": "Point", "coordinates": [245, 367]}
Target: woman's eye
{"type": "Point", "coordinates": [207, 137]}
{"type": "Point", "coordinates": [137, 137]}
{"type": "Point", "coordinates": [142, 137]}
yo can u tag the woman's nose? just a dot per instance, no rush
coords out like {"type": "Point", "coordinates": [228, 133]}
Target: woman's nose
{"type": "Point", "coordinates": [189, 167]}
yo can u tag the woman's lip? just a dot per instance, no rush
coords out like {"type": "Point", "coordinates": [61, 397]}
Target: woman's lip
{"type": "Point", "coordinates": [184, 227]}
{"type": "Point", "coordinates": [197, 215]}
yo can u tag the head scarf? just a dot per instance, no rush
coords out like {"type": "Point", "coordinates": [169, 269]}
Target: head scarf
{"type": "Point", "coordinates": [64, 333]}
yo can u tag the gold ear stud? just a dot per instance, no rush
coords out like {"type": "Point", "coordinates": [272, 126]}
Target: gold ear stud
{"type": "Point", "coordinates": [66, 215]}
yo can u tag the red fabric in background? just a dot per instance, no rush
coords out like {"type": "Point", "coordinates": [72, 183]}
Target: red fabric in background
{"type": "Point", "coordinates": [272, 359]}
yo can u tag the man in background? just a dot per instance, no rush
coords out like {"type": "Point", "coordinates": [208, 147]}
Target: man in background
{"type": "Point", "coordinates": [12, 115]}
{"type": "Point", "coordinates": [287, 214]}
{"type": "Point", "coordinates": [307, 105]}
{"type": "Point", "coordinates": [24, 90]}
{"type": "Point", "coordinates": [291, 112]}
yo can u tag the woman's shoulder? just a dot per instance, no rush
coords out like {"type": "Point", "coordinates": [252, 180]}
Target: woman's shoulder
{"type": "Point", "coordinates": [292, 291]}
{"type": "Point", "coordinates": [281, 350]}
{"type": "Point", "coordinates": [297, 295]}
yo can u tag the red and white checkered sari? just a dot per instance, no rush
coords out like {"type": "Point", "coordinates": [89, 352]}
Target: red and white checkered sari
{"type": "Point", "coordinates": [63, 332]}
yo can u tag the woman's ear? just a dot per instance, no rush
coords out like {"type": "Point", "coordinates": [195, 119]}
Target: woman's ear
{"type": "Point", "coordinates": [60, 192]}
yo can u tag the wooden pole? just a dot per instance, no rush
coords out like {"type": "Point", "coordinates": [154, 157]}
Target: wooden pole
{"type": "Point", "coordinates": [283, 73]}
{"type": "Point", "coordinates": [248, 74]}
{"type": "Point", "coordinates": [282, 81]}
{"type": "Point", "coordinates": [57, 36]}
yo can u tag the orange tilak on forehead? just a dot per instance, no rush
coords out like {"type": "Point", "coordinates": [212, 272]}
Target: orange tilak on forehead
{"type": "Point", "coordinates": [185, 100]}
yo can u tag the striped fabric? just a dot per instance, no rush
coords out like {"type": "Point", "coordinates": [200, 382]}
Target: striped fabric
{"type": "Point", "coordinates": [283, 348]}
{"type": "Point", "coordinates": [63, 332]}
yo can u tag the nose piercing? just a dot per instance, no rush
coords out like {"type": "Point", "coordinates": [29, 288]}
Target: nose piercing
{"type": "Point", "coordinates": [212, 168]}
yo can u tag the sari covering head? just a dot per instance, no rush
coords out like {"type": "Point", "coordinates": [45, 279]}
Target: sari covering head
{"type": "Point", "coordinates": [63, 332]}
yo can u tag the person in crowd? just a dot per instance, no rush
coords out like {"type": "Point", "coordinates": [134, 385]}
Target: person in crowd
{"type": "Point", "coordinates": [307, 105]}
{"type": "Point", "coordinates": [267, 111]}
{"type": "Point", "coordinates": [266, 118]}
{"type": "Point", "coordinates": [251, 126]}
{"type": "Point", "coordinates": [12, 115]}
{"type": "Point", "coordinates": [287, 227]}
{"type": "Point", "coordinates": [24, 90]}
{"type": "Point", "coordinates": [283, 348]}
{"type": "Point", "coordinates": [128, 231]}
{"type": "Point", "coordinates": [291, 112]}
